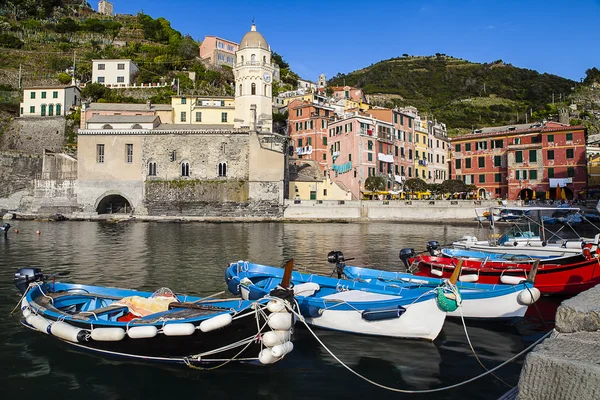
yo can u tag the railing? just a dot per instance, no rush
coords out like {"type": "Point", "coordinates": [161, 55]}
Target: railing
{"type": "Point", "coordinates": [58, 176]}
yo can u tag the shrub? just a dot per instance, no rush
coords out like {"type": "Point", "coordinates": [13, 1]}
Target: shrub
{"type": "Point", "coordinates": [10, 41]}
{"type": "Point", "coordinates": [64, 78]}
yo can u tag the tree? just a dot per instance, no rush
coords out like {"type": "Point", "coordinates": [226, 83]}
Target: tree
{"type": "Point", "coordinates": [94, 91]}
{"type": "Point", "coordinates": [64, 78]}
{"type": "Point", "coordinates": [278, 59]}
{"type": "Point", "coordinates": [375, 183]}
{"type": "Point", "coordinates": [415, 185]}
{"type": "Point", "coordinates": [454, 186]}
{"type": "Point", "coordinates": [10, 41]}
{"type": "Point", "coordinates": [66, 25]}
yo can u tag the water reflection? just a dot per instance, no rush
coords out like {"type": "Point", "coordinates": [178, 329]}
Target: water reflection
{"type": "Point", "coordinates": [191, 258]}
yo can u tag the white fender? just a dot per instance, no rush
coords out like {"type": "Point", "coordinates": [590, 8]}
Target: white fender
{"type": "Point", "coordinates": [282, 349]}
{"type": "Point", "coordinates": [39, 323]}
{"type": "Point", "coordinates": [216, 322]}
{"type": "Point", "coordinates": [436, 272]}
{"type": "Point", "coordinates": [25, 308]}
{"type": "Point", "coordinates": [274, 338]}
{"type": "Point", "coordinates": [108, 334]}
{"type": "Point", "coordinates": [528, 297]}
{"type": "Point", "coordinates": [276, 306]}
{"type": "Point", "coordinates": [266, 357]}
{"type": "Point", "coordinates": [511, 280]}
{"type": "Point", "coordinates": [65, 331]}
{"type": "Point", "coordinates": [280, 321]}
{"type": "Point", "coordinates": [184, 329]}
{"type": "Point", "coordinates": [142, 332]}
{"type": "Point", "coordinates": [469, 278]}
{"type": "Point", "coordinates": [244, 292]}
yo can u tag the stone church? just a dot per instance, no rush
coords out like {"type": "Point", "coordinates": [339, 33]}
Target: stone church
{"type": "Point", "coordinates": [139, 165]}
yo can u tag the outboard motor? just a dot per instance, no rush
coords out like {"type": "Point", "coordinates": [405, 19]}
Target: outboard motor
{"type": "Point", "coordinates": [337, 257]}
{"type": "Point", "coordinates": [6, 228]}
{"type": "Point", "coordinates": [25, 276]}
{"type": "Point", "coordinates": [432, 247]}
{"type": "Point", "coordinates": [406, 254]}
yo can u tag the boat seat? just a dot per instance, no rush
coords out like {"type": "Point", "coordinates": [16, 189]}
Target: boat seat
{"type": "Point", "coordinates": [111, 309]}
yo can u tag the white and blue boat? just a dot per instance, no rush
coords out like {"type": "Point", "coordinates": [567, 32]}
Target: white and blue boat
{"type": "Point", "coordinates": [160, 326]}
{"type": "Point", "coordinates": [348, 305]}
{"type": "Point", "coordinates": [478, 300]}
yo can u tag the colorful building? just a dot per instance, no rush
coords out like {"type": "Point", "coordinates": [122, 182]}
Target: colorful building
{"type": "Point", "coordinates": [438, 152]}
{"type": "Point", "coordinates": [348, 92]}
{"type": "Point", "coordinates": [540, 161]}
{"type": "Point", "coordinates": [49, 101]}
{"type": "Point", "coordinates": [217, 51]}
{"type": "Point", "coordinates": [308, 129]}
{"type": "Point", "coordinates": [306, 182]}
{"type": "Point", "coordinates": [203, 110]}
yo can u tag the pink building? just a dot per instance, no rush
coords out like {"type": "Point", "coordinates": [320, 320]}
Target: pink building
{"type": "Point", "coordinates": [348, 92]}
{"type": "Point", "coordinates": [218, 51]}
{"type": "Point", "coordinates": [361, 146]}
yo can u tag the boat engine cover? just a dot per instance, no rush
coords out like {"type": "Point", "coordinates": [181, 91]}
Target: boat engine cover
{"type": "Point", "coordinates": [24, 276]}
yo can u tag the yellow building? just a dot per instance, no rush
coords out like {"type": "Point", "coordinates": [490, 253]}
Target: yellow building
{"type": "Point", "coordinates": [307, 183]}
{"type": "Point", "coordinates": [203, 110]}
{"type": "Point", "coordinates": [421, 148]}
{"type": "Point", "coordinates": [593, 169]}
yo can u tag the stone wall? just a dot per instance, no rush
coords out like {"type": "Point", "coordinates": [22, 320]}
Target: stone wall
{"type": "Point", "coordinates": [34, 135]}
{"type": "Point", "coordinates": [567, 364]}
{"type": "Point", "coordinates": [17, 171]}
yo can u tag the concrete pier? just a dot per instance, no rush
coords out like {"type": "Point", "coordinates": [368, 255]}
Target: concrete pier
{"type": "Point", "coordinates": [567, 364]}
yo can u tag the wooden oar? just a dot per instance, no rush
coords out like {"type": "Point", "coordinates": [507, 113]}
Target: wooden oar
{"type": "Point", "coordinates": [287, 273]}
{"type": "Point", "coordinates": [456, 273]}
{"type": "Point", "coordinates": [533, 271]}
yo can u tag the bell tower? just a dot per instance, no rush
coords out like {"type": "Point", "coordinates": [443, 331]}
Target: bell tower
{"type": "Point", "coordinates": [253, 73]}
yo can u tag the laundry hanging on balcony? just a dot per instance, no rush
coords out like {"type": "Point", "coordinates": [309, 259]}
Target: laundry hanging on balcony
{"type": "Point", "coordinates": [340, 169]}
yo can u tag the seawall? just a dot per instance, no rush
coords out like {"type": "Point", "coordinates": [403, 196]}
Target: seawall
{"type": "Point", "coordinates": [385, 210]}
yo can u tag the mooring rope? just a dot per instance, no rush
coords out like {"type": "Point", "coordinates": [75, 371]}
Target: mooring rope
{"type": "Point", "coordinates": [397, 390]}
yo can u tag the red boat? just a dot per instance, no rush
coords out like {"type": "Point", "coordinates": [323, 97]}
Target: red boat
{"type": "Point", "coordinates": [552, 278]}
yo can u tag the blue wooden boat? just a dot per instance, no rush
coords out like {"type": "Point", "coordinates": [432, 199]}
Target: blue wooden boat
{"type": "Point", "coordinates": [478, 300]}
{"type": "Point", "coordinates": [346, 305]}
{"type": "Point", "coordinates": [160, 326]}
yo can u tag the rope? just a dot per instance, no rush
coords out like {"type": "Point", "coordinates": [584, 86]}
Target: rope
{"type": "Point", "coordinates": [301, 318]}
{"type": "Point", "coordinates": [21, 299]}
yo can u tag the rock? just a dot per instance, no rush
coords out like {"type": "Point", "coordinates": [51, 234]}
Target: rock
{"type": "Point", "coordinates": [8, 216]}
{"type": "Point", "coordinates": [566, 366]}
{"type": "Point", "coordinates": [580, 313]}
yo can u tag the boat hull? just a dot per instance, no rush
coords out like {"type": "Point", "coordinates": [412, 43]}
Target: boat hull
{"type": "Point", "coordinates": [550, 279]}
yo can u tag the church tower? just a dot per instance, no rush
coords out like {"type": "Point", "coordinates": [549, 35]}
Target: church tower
{"type": "Point", "coordinates": [253, 72]}
{"type": "Point", "coordinates": [322, 83]}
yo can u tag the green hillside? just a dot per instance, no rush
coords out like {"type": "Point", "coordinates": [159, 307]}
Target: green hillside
{"type": "Point", "coordinates": [461, 93]}
{"type": "Point", "coordinates": [42, 38]}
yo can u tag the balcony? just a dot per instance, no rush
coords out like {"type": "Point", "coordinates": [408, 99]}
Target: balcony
{"type": "Point", "coordinates": [304, 150]}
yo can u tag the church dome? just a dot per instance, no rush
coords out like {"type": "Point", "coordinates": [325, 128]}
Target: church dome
{"type": "Point", "coordinates": [253, 39]}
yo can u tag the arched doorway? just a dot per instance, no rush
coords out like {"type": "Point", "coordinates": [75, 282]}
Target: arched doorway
{"type": "Point", "coordinates": [481, 193]}
{"type": "Point", "coordinates": [114, 204]}
{"type": "Point", "coordinates": [526, 194]}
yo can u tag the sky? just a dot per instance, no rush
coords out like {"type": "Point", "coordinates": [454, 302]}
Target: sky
{"type": "Point", "coordinates": [332, 36]}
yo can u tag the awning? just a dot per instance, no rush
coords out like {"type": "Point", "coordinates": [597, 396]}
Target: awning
{"type": "Point", "coordinates": [398, 178]}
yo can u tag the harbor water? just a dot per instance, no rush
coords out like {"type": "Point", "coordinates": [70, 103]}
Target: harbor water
{"type": "Point", "coordinates": [191, 258]}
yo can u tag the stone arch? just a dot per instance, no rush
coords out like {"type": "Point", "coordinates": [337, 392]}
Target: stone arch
{"type": "Point", "coordinates": [114, 202]}
{"type": "Point", "coordinates": [107, 126]}
{"type": "Point", "coordinates": [136, 126]}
